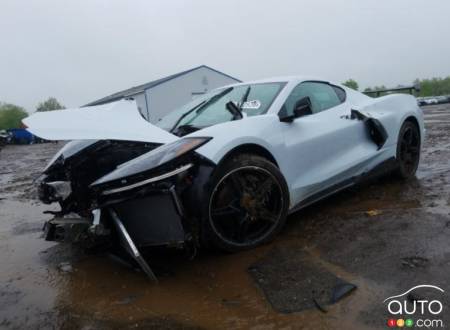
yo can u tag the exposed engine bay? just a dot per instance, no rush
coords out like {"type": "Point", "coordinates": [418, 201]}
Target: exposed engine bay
{"type": "Point", "coordinates": [72, 181]}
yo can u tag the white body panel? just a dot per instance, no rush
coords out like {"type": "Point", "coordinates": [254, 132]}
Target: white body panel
{"type": "Point", "coordinates": [317, 151]}
{"type": "Point", "coordinates": [113, 121]}
{"type": "Point", "coordinates": [313, 152]}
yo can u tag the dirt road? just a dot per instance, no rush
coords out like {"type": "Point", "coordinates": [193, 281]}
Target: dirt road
{"type": "Point", "coordinates": [400, 243]}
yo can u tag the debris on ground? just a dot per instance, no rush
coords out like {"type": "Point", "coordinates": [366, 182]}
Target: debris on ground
{"type": "Point", "coordinates": [341, 290]}
{"type": "Point", "coordinates": [414, 262]}
{"type": "Point", "coordinates": [372, 213]}
{"type": "Point", "coordinates": [319, 306]}
{"type": "Point", "coordinates": [65, 267]}
{"type": "Point", "coordinates": [127, 300]}
{"type": "Point", "coordinates": [292, 281]}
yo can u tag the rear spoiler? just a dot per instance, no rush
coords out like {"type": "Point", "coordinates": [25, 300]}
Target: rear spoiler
{"type": "Point", "coordinates": [410, 89]}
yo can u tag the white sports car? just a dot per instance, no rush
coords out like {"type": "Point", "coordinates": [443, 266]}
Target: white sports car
{"type": "Point", "coordinates": [224, 170]}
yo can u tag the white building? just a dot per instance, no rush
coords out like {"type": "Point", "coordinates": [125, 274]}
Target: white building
{"type": "Point", "coordinates": [157, 98]}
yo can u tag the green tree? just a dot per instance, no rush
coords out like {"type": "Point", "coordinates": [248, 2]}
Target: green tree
{"type": "Point", "coordinates": [50, 104]}
{"type": "Point", "coordinates": [371, 91]}
{"type": "Point", "coordinates": [11, 116]}
{"type": "Point", "coordinates": [434, 86]}
{"type": "Point", "coordinates": [350, 83]}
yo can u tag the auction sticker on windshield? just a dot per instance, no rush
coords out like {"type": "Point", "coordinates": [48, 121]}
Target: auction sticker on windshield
{"type": "Point", "coordinates": [251, 105]}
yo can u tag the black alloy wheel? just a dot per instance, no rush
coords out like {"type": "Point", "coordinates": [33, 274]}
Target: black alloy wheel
{"type": "Point", "coordinates": [408, 150]}
{"type": "Point", "coordinates": [248, 204]}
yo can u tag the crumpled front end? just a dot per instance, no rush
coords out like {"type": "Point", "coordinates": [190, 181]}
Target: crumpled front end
{"type": "Point", "coordinates": [126, 194]}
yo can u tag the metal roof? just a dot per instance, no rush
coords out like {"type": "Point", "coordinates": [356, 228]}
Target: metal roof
{"type": "Point", "coordinates": [140, 88]}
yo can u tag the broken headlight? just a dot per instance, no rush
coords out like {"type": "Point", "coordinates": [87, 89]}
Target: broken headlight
{"type": "Point", "coordinates": [153, 159]}
{"type": "Point", "coordinates": [70, 149]}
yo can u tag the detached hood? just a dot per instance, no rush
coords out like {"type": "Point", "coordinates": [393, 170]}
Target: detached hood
{"type": "Point", "coordinates": [119, 120]}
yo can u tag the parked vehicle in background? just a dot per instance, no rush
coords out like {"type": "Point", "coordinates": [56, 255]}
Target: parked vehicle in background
{"type": "Point", "coordinates": [20, 136]}
{"type": "Point", "coordinates": [430, 100]}
{"type": "Point", "coordinates": [442, 99]}
{"type": "Point", "coordinates": [4, 137]}
{"type": "Point", "coordinates": [421, 101]}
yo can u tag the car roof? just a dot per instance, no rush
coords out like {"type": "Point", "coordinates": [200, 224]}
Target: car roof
{"type": "Point", "coordinates": [293, 79]}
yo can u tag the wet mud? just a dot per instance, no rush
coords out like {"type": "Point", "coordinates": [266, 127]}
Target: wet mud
{"type": "Point", "coordinates": [385, 237]}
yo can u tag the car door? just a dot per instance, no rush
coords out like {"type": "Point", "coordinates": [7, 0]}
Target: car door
{"type": "Point", "coordinates": [325, 148]}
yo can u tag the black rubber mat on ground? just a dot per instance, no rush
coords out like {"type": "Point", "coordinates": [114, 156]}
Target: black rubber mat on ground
{"type": "Point", "coordinates": [292, 281]}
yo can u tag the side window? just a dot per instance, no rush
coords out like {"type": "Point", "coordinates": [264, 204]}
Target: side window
{"type": "Point", "coordinates": [322, 95]}
{"type": "Point", "coordinates": [340, 93]}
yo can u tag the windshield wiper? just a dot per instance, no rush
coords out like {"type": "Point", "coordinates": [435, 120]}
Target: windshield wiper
{"type": "Point", "coordinates": [244, 98]}
{"type": "Point", "coordinates": [200, 106]}
{"type": "Point", "coordinates": [236, 110]}
{"type": "Point", "coordinates": [184, 115]}
{"type": "Point", "coordinates": [185, 129]}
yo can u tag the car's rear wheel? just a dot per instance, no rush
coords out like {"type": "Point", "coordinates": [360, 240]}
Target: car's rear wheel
{"type": "Point", "coordinates": [408, 150]}
{"type": "Point", "coordinates": [247, 205]}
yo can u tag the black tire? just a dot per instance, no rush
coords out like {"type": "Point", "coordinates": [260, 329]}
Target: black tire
{"type": "Point", "coordinates": [247, 204]}
{"type": "Point", "coordinates": [408, 150]}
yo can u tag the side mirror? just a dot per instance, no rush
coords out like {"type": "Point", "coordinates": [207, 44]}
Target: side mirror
{"type": "Point", "coordinates": [302, 108]}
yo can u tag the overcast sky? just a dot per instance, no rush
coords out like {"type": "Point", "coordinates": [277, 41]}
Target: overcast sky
{"type": "Point", "coordinates": [79, 50]}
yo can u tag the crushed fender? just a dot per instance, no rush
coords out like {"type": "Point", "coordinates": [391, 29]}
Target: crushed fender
{"type": "Point", "coordinates": [376, 130]}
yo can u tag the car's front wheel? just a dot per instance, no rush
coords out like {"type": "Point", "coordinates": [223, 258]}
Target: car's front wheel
{"type": "Point", "coordinates": [248, 203]}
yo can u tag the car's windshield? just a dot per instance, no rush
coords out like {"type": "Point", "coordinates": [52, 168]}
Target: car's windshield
{"type": "Point", "coordinates": [211, 109]}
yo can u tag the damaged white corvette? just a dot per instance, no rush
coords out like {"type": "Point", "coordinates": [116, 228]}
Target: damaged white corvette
{"type": "Point", "coordinates": [224, 170]}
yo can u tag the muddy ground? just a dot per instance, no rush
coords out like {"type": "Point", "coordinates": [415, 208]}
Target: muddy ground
{"type": "Point", "coordinates": [402, 242]}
